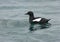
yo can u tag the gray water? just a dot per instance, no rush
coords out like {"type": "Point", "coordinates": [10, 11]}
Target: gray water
{"type": "Point", "coordinates": [14, 25]}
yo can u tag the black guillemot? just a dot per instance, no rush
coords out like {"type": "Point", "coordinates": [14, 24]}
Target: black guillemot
{"type": "Point", "coordinates": [38, 20]}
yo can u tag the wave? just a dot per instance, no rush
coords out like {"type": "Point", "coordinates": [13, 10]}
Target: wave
{"type": "Point", "coordinates": [12, 23]}
{"type": "Point", "coordinates": [9, 7]}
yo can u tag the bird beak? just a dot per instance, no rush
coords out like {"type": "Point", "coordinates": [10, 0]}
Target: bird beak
{"type": "Point", "coordinates": [26, 14]}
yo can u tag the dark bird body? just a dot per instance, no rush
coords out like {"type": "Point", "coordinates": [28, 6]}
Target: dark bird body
{"type": "Point", "coordinates": [36, 20]}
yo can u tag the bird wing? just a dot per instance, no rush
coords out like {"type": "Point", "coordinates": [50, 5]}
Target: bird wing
{"type": "Point", "coordinates": [37, 20]}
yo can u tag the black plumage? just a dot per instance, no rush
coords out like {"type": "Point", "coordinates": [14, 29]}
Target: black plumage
{"type": "Point", "coordinates": [33, 19]}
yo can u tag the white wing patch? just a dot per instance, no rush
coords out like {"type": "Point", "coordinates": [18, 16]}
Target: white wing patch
{"type": "Point", "coordinates": [37, 20]}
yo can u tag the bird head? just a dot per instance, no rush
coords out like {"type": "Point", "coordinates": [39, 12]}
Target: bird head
{"type": "Point", "coordinates": [30, 13]}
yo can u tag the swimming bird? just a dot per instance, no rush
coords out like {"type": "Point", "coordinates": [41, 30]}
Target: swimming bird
{"type": "Point", "coordinates": [36, 20]}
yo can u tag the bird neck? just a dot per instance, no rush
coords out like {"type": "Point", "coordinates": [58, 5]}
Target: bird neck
{"type": "Point", "coordinates": [31, 16]}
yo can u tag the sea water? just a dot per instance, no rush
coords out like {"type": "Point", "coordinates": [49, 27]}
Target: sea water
{"type": "Point", "coordinates": [15, 26]}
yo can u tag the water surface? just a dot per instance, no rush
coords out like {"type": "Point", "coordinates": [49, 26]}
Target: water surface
{"type": "Point", "coordinates": [14, 25]}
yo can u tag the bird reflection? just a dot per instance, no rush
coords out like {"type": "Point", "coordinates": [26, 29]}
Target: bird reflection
{"type": "Point", "coordinates": [41, 26]}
